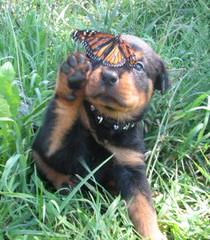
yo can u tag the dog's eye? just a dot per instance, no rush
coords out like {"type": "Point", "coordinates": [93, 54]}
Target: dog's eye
{"type": "Point", "coordinates": [139, 66]}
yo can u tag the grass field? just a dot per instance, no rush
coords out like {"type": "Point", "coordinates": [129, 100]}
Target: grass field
{"type": "Point", "coordinates": [34, 40]}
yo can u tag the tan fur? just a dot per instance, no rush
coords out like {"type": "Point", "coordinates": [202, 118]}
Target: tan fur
{"type": "Point", "coordinates": [144, 217]}
{"type": "Point", "coordinates": [126, 156]}
{"type": "Point", "coordinates": [139, 55]}
{"type": "Point", "coordinates": [61, 87]}
{"type": "Point", "coordinates": [66, 114]}
{"type": "Point", "coordinates": [133, 98]}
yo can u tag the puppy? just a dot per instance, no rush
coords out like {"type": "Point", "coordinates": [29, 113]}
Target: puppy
{"type": "Point", "coordinates": [95, 113]}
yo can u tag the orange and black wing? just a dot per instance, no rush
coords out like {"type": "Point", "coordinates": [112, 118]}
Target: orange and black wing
{"type": "Point", "coordinates": [105, 48]}
{"type": "Point", "coordinates": [101, 47]}
{"type": "Point", "coordinates": [128, 53]}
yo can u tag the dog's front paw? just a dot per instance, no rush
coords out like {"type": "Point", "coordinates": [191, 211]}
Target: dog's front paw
{"type": "Point", "coordinates": [76, 69]}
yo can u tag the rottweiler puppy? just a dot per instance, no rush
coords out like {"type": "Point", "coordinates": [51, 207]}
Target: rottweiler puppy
{"type": "Point", "coordinates": [95, 114]}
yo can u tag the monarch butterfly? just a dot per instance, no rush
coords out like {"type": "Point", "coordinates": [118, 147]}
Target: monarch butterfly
{"type": "Point", "coordinates": [106, 48]}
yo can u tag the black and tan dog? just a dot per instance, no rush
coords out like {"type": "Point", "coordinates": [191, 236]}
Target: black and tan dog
{"type": "Point", "coordinates": [95, 113]}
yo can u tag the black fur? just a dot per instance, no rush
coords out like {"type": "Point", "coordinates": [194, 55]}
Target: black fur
{"type": "Point", "coordinates": [131, 180]}
{"type": "Point", "coordinates": [78, 145]}
{"type": "Point", "coordinates": [41, 143]}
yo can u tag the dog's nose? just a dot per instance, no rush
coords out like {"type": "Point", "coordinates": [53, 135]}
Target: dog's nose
{"type": "Point", "coordinates": [109, 78]}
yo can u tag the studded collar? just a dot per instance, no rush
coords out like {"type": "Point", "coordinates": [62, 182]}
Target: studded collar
{"type": "Point", "coordinates": [100, 120]}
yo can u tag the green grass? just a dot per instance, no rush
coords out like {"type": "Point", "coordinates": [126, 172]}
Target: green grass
{"type": "Point", "coordinates": [34, 40]}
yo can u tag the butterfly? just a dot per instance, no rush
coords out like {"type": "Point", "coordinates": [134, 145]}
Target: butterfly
{"type": "Point", "coordinates": [106, 48]}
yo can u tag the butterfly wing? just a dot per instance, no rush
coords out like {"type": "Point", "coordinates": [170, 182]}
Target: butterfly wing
{"type": "Point", "coordinates": [114, 56]}
{"type": "Point", "coordinates": [92, 40]}
{"type": "Point", "coordinates": [106, 48]}
{"type": "Point", "coordinates": [101, 47]}
{"type": "Point", "coordinates": [128, 53]}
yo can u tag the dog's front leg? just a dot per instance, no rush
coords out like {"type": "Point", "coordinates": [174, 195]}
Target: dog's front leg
{"type": "Point", "coordinates": [134, 187]}
{"type": "Point", "coordinates": [53, 147]}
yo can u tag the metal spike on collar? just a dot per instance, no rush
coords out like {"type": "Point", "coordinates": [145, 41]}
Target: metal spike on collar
{"type": "Point", "coordinates": [126, 126]}
{"type": "Point", "coordinates": [100, 119]}
{"type": "Point", "coordinates": [116, 126]}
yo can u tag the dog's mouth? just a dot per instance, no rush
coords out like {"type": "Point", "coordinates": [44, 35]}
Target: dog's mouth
{"type": "Point", "coordinates": [110, 102]}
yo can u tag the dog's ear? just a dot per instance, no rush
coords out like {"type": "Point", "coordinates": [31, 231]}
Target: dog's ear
{"type": "Point", "coordinates": [162, 82]}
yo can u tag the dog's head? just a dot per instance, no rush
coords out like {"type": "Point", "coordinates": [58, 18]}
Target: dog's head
{"type": "Point", "coordinates": [123, 93]}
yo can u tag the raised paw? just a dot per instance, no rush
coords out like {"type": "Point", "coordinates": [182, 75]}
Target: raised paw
{"type": "Point", "coordinates": [76, 68]}
{"type": "Point", "coordinates": [72, 77]}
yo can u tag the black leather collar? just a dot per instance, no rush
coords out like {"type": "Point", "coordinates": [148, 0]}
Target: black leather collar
{"type": "Point", "coordinates": [100, 120]}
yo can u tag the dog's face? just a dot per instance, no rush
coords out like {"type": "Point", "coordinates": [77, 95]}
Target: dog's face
{"type": "Point", "coordinates": [123, 93]}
